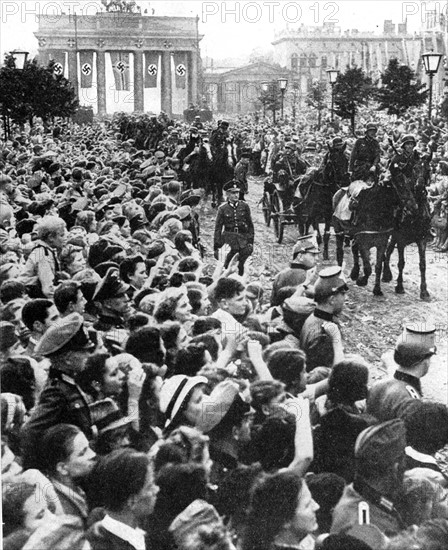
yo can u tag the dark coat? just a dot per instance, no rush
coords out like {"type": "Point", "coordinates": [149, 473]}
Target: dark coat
{"type": "Point", "coordinates": [61, 402]}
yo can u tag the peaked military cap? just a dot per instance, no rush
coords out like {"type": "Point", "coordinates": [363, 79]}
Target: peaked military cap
{"type": "Point", "coordinates": [371, 126]}
{"type": "Point", "coordinates": [306, 243]}
{"type": "Point", "coordinates": [232, 185]}
{"type": "Point", "coordinates": [415, 343]}
{"type": "Point", "coordinates": [111, 286]}
{"type": "Point", "coordinates": [330, 282]}
{"type": "Point", "coordinates": [190, 198]}
{"type": "Point", "coordinates": [67, 334]}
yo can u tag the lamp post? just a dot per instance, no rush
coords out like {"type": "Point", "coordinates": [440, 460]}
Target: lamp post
{"type": "Point", "coordinates": [332, 77]}
{"type": "Point", "coordinates": [283, 82]}
{"type": "Point", "coordinates": [19, 57]}
{"type": "Point", "coordinates": [431, 61]}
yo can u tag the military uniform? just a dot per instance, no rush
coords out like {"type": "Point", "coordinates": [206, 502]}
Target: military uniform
{"type": "Point", "coordinates": [366, 153]}
{"type": "Point", "coordinates": [402, 164]}
{"type": "Point", "coordinates": [286, 170]}
{"type": "Point", "coordinates": [379, 447]}
{"type": "Point", "coordinates": [234, 227]}
{"type": "Point", "coordinates": [62, 400]}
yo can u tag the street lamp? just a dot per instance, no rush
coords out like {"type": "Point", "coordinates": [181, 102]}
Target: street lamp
{"type": "Point", "coordinates": [431, 61]}
{"type": "Point", "coordinates": [283, 82]}
{"type": "Point", "coordinates": [20, 57]}
{"type": "Point", "coordinates": [332, 77]}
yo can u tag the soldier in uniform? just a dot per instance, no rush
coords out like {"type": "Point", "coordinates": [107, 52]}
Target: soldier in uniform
{"type": "Point", "coordinates": [286, 170]}
{"type": "Point", "coordinates": [365, 158]}
{"type": "Point", "coordinates": [234, 226]}
{"type": "Point", "coordinates": [304, 258]}
{"type": "Point", "coordinates": [402, 164]}
{"type": "Point", "coordinates": [111, 297]}
{"type": "Point", "coordinates": [378, 485]}
{"type": "Point", "coordinates": [67, 345]}
{"type": "Point", "coordinates": [323, 346]}
{"type": "Point", "coordinates": [388, 399]}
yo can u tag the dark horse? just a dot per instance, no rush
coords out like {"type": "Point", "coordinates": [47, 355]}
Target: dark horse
{"type": "Point", "coordinates": [413, 224]}
{"type": "Point", "coordinates": [317, 189]}
{"type": "Point", "coordinates": [371, 224]}
{"type": "Point", "coordinates": [222, 170]}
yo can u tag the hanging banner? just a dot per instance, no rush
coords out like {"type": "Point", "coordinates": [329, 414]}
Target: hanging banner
{"type": "Point", "coordinates": [120, 66]}
{"type": "Point", "coordinates": [180, 69]}
{"type": "Point", "coordinates": [152, 69]}
{"type": "Point", "coordinates": [86, 63]}
{"type": "Point", "coordinates": [58, 56]}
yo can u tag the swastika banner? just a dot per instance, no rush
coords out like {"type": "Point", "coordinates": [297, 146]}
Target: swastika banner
{"type": "Point", "coordinates": [58, 56]}
{"type": "Point", "coordinates": [120, 65]}
{"type": "Point", "coordinates": [180, 69]}
{"type": "Point", "coordinates": [152, 69]}
{"type": "Point", "coordinates": [86, 63]}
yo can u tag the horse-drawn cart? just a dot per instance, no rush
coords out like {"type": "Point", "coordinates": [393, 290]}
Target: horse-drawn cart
{"type": "Point", "coordinates": [279, 207]}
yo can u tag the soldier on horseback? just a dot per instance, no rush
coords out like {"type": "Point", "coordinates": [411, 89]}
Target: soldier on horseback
{"type": "Point", "coordinates": [403, 164]}
{"type": "Point", "coordinates": [335, 164]}
{"type": "Point", "coordinates": [365, 157]}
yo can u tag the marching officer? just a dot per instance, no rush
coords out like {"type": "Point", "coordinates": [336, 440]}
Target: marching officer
{"type": "Point", "coordinates": [388, 399]}
{"type": "Point", "coordinates": [234, 226]}
{"type": "Point", "coordinates": [366, 155]}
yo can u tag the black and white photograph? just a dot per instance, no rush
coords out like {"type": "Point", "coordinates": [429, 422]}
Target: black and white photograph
{"type": "Point", "coordinates": [224, 275]}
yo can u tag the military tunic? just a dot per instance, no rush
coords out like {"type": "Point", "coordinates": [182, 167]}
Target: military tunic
{"type": "Point", "coordinates": [234, 227]}
{"type": "Point", "coordinates": [366, 153]}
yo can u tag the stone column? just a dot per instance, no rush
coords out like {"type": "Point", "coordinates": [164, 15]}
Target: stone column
{"type": "Point", "coordinates": [138, 81]}
{"type": "Point", "coordinates": [73, 70]}
{"type": "Point", "coordinates": [193, 78]}
{"type": "Point", "coordinates": [101, 81]}
{"type": "Point", "coordinates": [166, 84]}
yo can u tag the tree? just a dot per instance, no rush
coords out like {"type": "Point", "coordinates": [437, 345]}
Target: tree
{"type": "Point", "coordinates": [400, 89]}
{"type": "Point", "coordinates": [316, 99]}
{"type": "Point", "coordinates": [271, 98]}
{"type": "Point", "coordinates": [351, 90]}
{"type": "Point", "coordinates": [35, 91]}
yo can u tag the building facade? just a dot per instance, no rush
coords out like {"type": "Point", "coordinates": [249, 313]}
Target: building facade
{"type": "Point", "coordinates": [309, 51]}
{"type": "Point", "coordinates": [121, 61]}
{"type": "Point", "coordinates": [236, 91]}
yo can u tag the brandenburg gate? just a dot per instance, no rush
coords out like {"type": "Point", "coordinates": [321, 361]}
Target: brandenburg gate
{"type": "Point", "coordinates": [119, 61]}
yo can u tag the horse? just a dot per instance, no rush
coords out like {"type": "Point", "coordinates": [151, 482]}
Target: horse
{"type": "Point", "coordinates": [370, 225]}
{"type": "Point", "coordinates": [222, 169]}
{"type": "Point", "coordinates": [413, 223]}
{"type": "Point", "coordinates": [317, 189]}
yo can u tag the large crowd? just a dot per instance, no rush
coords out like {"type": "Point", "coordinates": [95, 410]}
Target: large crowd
{"type": "Point", "coordinates": [155, 395]}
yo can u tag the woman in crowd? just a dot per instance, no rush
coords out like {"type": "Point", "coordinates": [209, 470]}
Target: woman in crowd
{"type": "Point", "coordinates": [282, 514]}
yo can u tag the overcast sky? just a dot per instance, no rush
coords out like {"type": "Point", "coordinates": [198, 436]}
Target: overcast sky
{"type": "Point", "coordinates": [231, 29]}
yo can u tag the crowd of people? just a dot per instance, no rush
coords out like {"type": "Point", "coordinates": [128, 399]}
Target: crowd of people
{"type": "Point", "coordinates": [155, 395]}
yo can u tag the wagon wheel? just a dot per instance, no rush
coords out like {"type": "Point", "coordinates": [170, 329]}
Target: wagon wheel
{"type": "Point", "coordinates": [267, 208]}
{"type": "Point", "coordinates": [277, 207]}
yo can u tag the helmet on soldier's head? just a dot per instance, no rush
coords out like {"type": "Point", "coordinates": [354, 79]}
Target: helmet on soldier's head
{"type": "Point", "coordinates": [409, 138]}
{"type": "Point", "coordinates": [290, 145]}
{"type": "Point", "coordinates": [371, 126]}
